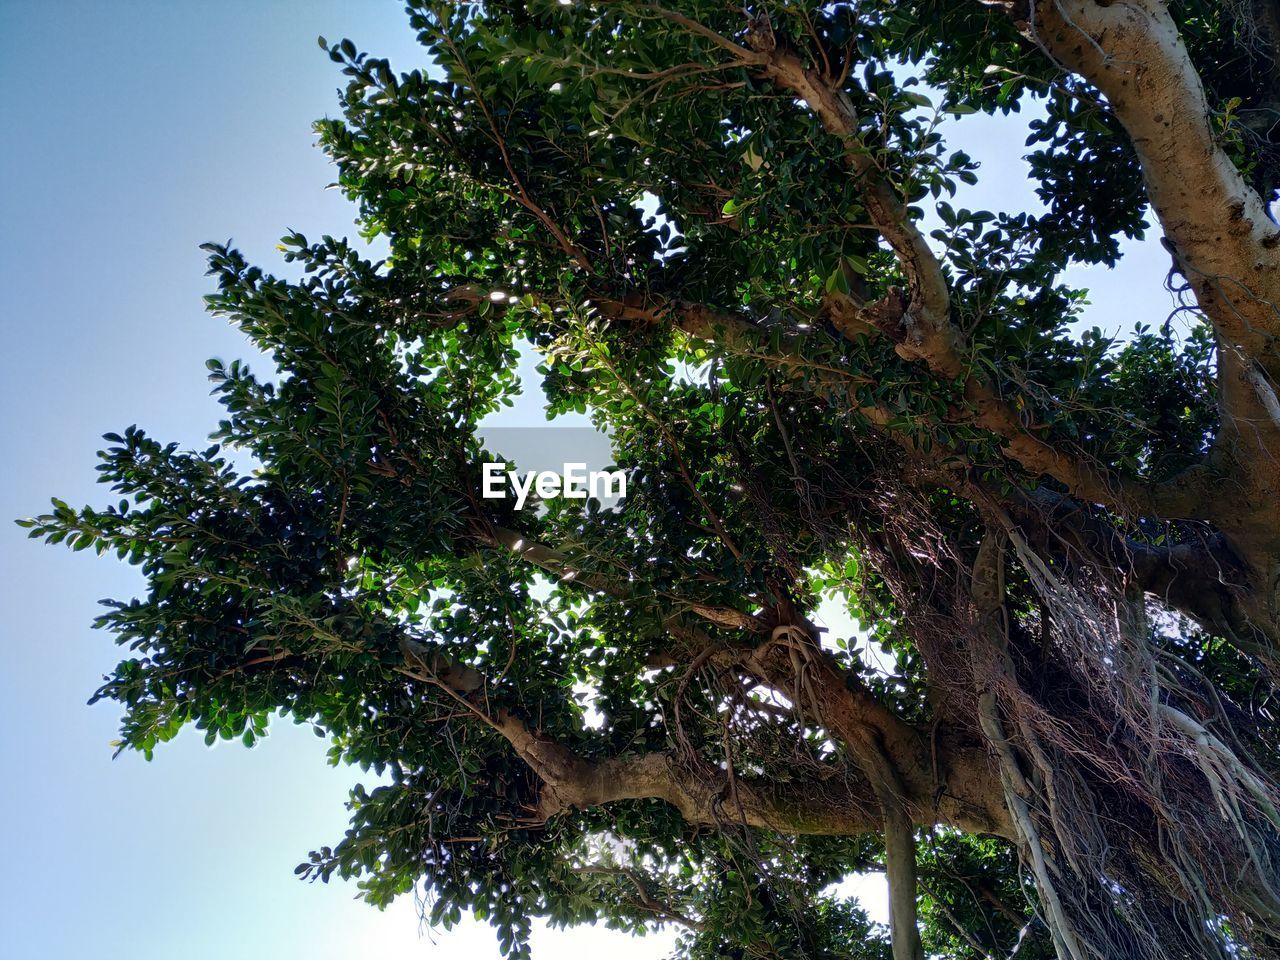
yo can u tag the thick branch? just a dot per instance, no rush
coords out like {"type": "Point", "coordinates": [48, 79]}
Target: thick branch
{"type": "Point", "coordinates": [948, 782]}
{"type": "Point", "coordinates": [1183, 497]}
{"type": "Point", "coordinates": [1201, 578]}
{"type": "Point", "coordinates": [1218, 226]}
{"type": "Point", "coordinates": [927, 333]}
{"type": "Point", "coordinates": [929, 329]}
{"type": "Point", "coordinates": [698, 791]}
{"type": "Point", "coordinates": [703, 793]}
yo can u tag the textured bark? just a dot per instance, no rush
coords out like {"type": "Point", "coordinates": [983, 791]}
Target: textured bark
{"type": "Point", "coordinates": [946, 781]}
{"type": "Point", "coordinates": [1223, 240]}
{"type": "Point", "coordinates": [959, 793]}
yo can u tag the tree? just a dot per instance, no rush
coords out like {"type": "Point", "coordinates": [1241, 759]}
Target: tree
{"type": "Point", "coordinates": [1068, 545]}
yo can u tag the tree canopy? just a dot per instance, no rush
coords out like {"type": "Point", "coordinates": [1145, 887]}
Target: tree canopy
{"type": "Point", "coordinates": [1053, 730]}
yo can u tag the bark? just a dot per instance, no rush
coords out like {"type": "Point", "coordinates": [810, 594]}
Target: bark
{"type": "Point", "coordinates": [1223, 240]}
{"type": "Point", "coordinates": [1202, 578]}
{"type": "Point", "coordinates": [704, 794]}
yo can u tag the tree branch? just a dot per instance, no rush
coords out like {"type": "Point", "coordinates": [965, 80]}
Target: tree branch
{"type": "Point", "coordinates": [698, 791]}
{"type": "Point", "coordinates": [925, 332]}
{"type": "Point", "coordinates": [1200, 578]}
{"type": "Point", "coordinates": [1218, 227]}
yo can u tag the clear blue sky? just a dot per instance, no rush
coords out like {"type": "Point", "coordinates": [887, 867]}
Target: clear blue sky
{"type": "Point", "coordinates": [134, 131]}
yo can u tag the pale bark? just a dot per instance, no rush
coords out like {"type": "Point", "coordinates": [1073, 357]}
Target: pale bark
{"type": "Point", "coordinates": [1223, 240]}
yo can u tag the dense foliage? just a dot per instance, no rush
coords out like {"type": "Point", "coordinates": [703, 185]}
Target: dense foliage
{"type": "Point", "coordinates": [1052, 728]}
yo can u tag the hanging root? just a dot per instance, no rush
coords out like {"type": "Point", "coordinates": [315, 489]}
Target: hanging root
{"type": "Point", "coordinates": [988, 594]}
{"type": "Point", "coordinates": [1140, 789]}
{"type": "Point", "coordinates": [899, 855]}
{"type": "Point", "coordinates": [1147, 834]}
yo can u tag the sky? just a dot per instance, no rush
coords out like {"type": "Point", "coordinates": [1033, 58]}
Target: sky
{"type": "Point", "coordinates": [134, 131]}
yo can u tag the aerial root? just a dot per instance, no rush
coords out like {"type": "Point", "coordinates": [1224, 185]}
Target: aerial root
{"type": "Point", "coordinates": [1145, 833]}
